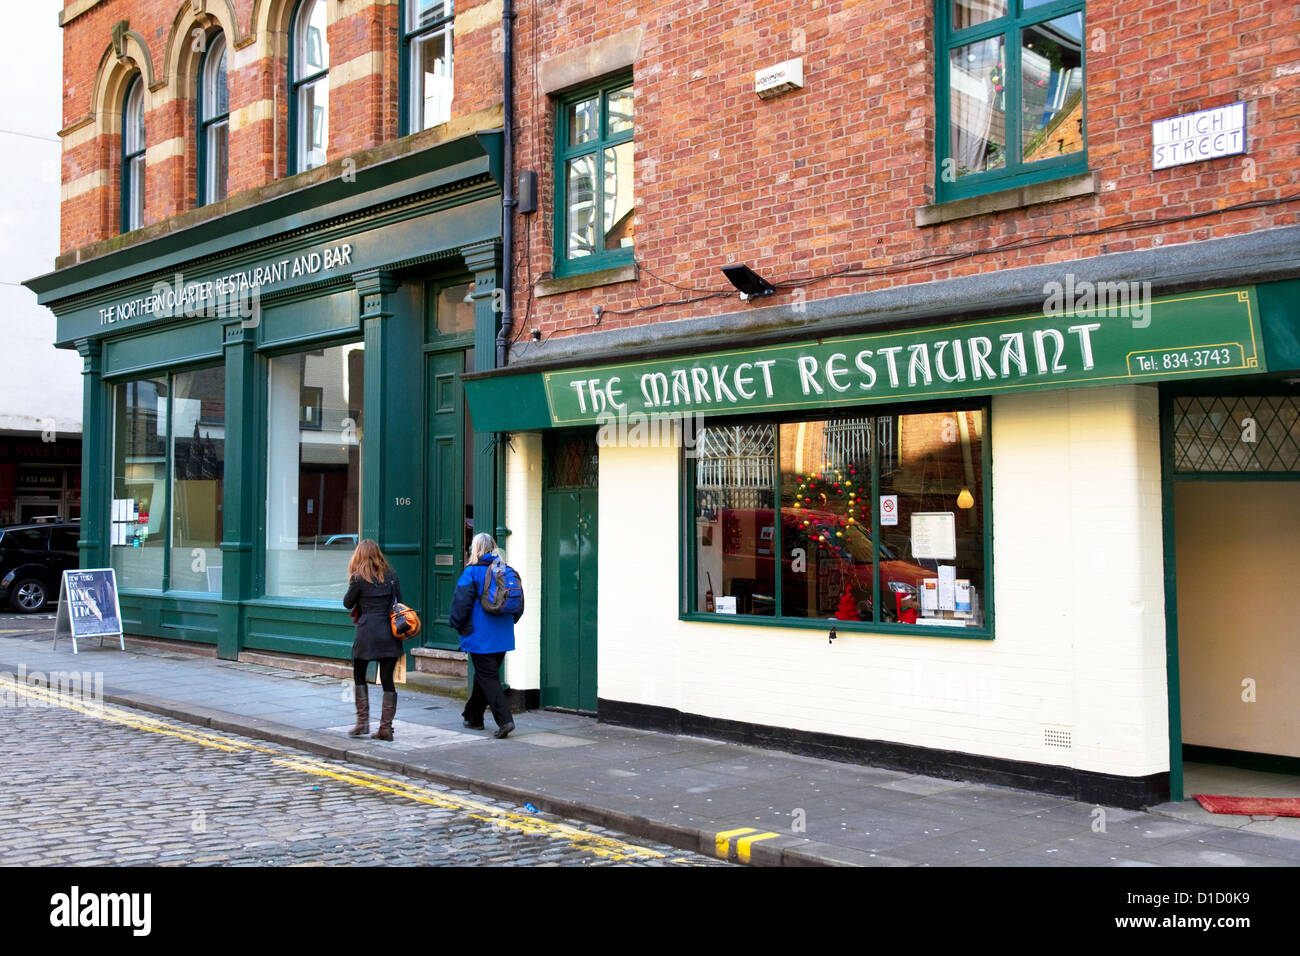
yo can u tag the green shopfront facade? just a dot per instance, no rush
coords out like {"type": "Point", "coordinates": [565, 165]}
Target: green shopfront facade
{"type": "Point", "coordinates": [969, 575]}
{"type": "Point", "coordinates": [265, 387]}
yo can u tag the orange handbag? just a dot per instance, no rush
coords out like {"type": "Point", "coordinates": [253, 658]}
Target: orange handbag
{"type": "Point", "coordinates": [404, 622]}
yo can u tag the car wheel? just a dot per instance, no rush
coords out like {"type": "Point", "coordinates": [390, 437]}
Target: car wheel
{"type": "Point", "coordinates": [29, 596]}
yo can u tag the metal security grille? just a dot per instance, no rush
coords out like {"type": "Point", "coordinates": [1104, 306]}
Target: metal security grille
{"type": "Point", "coordinates": [847, 439]}
{"type": "Point", "coordinates": [572, 461]}
{"type": "Point", "coordinates": [735, 465]}
{"type": "Point", "coordinates": [1236, 434]}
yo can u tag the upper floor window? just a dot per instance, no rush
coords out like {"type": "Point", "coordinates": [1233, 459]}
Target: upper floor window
{"type": "Point", "coordinates": [309, 78]}
{"type": "Point", "coordinates": [214, 122]}
{"type": "Point", "coordinates": [595, 200]}
{"type": "Point", "coordinates": [133, 156]}
{"type": "Point", "coordinates": [1010, 93]}
{"type": "Point", "coordinates": [426, 66]}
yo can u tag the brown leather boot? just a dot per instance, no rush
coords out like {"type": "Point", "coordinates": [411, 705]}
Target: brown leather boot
{"type": "Point", "coordinates": [388, 709]}
{"type": "Point", "coordinates": [362, 694]}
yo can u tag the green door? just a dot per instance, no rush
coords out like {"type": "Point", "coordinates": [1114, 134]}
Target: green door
{"type": "Point", "coordinates": [569, 539]}
{"type": "Point", "coordinates": [448, 483]}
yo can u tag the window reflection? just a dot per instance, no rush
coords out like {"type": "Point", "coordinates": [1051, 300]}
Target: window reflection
{"type": "Point", "coordinates": [314, 454]}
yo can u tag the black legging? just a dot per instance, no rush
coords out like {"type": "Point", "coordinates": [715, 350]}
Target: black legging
{"type": "Point", "coordinates": [386, 667]}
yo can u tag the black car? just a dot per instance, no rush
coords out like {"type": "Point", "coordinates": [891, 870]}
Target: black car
{"type": "Point", "coordinates": [33, 558]}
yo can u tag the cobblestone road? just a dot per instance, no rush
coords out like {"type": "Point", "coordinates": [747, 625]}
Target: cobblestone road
{"type": "Point", "coordinates": [89, 785]}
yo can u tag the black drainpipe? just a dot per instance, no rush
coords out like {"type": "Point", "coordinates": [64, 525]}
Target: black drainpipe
{"type": "Point", "coordinates": [508, 201]}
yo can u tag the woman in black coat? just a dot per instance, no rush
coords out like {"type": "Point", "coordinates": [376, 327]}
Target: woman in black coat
{"type": "Point", "coordinates": [372, 589]}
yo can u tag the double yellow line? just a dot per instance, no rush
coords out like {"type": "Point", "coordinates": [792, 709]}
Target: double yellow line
{"type": "Point", "coordinates": [594, 843]}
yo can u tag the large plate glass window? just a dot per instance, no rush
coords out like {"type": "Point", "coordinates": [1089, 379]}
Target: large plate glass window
{"type": "Point", "coordinates": [881, 519]}
{"type": "Point", "coordinates": [139, 503]}
{"type": "Point", "coordinates": [595, 181]}
{"type": "Point", "coordinates": [198, 430]}
{"type": "Point", "coordinates": [314, 449]}
{"type": "Point", "coordinates": [310, 84]}
{"type": "Point", "coordinates": [214, 122]}
{"type": "Point", "coordinates": [133, 146]}
{"type": "Point", "coordinates": [427, 63]}
{"type": "Point", "coordinates": [1011, 94]}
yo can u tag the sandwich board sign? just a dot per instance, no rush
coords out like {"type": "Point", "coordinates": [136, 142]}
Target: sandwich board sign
{"type": "Point", "coordinates": [88, 607]}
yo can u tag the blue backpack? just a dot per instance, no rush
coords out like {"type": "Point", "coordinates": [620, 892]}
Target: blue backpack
{"type": "Point", "coordinates": [503, 590]}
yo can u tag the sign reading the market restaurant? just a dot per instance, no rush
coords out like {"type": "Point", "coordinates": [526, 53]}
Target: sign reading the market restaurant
{"type": "Point", "coordinates": [1192, 335]}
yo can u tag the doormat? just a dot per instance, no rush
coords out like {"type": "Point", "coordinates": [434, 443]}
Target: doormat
{"type": "Point", "coordinates": [1251, 806]}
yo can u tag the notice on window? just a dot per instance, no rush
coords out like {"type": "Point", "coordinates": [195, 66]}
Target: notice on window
{"type": "Point", "coordinates": [934, 535]}
{"type": "Point", "coordinates": [963, 597]}
{"type": "Point", "coordinates": [947, 587]}
{"type": "Point", "coordinates": [929, 595]}
{"type": "Point", "coordinates": [725, 605]}
{"type": "Point", "coordinates": [888, 510]}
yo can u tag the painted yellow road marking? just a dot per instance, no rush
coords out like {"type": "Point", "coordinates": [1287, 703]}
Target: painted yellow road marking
{"type": "Point", "coordinates": [125, 718]}
{"type": "Point", "coordinates": [594, 843]}
{"type": "Point", "coordinates": [722, 842]}
{"type": "Point", "coordinates": [602, 846]}
{"type": "Point", "coordinates": [743, 844]}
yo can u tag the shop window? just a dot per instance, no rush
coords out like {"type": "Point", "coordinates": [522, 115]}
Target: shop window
{"type": "Point", "coordinates": [595, 200]}
{"type": "Point", "coordinates": [139, 503]}
{"type": "Point", "coordinates": [310, 88]}
{"type": "Point", "coordinates": [881, 520]}
{"type": "Point", "coordinates": [1010, 94]}
{"type": "Point", "coordinates": [426, 63]}
{"type": "Point", "coordinates": [133, 146]}
{"type": "Point", "coordinates": [214, 122]}
{"type": "Point", "coordinates": [198, 432]}
{"type": "Point", "coordinates": [314, 455]}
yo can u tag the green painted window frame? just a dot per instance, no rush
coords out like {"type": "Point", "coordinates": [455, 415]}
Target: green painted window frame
{"type": "Point", "coordinates": [133, 199]}
{"type": "Point", "coordinates": [165, 528]}
{"type": "Point", "coordinates": [258, 472]}
{"type": "Point", "coordinates": [603, 259]}
{"type": "Point", "coordinates": [297, 130]}
{"type": "Point", "coordinates": [686, 531]}
{"type": "Point", "coordinates": [1010, 26]}
{"type": "Point", "coordinates": [406, 74]}
{"type": "Point", "coordinates": [205, 123]}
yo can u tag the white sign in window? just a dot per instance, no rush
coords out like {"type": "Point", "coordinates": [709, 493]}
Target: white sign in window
{"type": "Point", "coordinates": [934, 535]}
{"type": "Point", "coordinates": [1196, 137]}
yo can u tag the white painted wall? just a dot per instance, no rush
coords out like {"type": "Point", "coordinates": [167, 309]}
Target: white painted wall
{"type": "Point", "coordinates": [38, 383]}
{"type": "Point", "coordinates": [1078, 577]}
{"type": "Point", "coordinates": [524, 552]}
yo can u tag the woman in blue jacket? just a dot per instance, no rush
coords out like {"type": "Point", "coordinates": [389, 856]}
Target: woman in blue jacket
{"type": "Point", "coordinates": [484, 637]}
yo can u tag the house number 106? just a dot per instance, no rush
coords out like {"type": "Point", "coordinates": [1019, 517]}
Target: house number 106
{"type": "Point", "coordinates": [401, 502]}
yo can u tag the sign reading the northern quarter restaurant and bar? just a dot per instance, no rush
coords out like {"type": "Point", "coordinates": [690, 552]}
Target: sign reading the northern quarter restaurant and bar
{"type": "Point", "coordinates": [1195, 137]}
{"type": "Point", "coordinates": [1192, 335]}
{"type": "Point", "coordinates": [225, 294]}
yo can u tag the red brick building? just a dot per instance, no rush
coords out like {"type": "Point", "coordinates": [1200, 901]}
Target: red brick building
{"type": "Point", "coordinates": [1023, 393]}
{"type": "Point", "coordinates": [966, 474]}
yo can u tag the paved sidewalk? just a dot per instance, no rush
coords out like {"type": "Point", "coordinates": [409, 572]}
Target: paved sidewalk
{"type": "Point", "coordinates": [753, 805]}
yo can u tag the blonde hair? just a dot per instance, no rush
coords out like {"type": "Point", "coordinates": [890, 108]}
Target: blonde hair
{"type": "Point", "coordinates": [369, 563]}
{"type": "Point", "coordinates": [481, 546]}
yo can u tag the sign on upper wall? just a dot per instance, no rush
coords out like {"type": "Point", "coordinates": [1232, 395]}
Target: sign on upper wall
{"type": "Point", "coordinates": [1196, 137]}
{"type": "Point", "coordinates": [1191, 335]}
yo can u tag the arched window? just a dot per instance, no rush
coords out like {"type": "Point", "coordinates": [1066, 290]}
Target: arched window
{"type": "Point", "coordinates": [214, 122]}
{"type": "Point", "coordinates": [133, 156]}
{"type": "Point", "coordinates": [426, 66]}
{"type": "Point", "coordinates": [309, 64]}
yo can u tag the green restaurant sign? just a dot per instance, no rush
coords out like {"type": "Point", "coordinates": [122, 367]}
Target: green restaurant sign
{"type": "Point", "coordinates": [1190, 335]}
